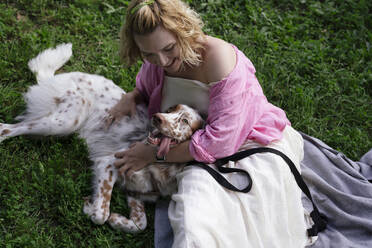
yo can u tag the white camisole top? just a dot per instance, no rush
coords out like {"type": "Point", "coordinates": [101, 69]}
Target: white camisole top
{"type": "Point", "coordinates": [185, 91]}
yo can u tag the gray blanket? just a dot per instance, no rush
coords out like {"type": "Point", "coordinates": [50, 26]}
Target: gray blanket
{"type": "Point", "coordinates": [340, 189]}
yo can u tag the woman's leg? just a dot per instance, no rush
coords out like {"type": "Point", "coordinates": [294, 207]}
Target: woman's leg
{"type": "Point", "coordinates": [204, 214]}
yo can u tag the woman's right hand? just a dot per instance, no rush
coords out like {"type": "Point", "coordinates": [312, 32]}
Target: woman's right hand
{"type": "Point", "coordinates": [126, 106]}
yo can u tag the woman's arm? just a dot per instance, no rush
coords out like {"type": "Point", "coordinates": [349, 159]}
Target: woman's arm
{"type": "Point", "coordinates": [179, 153]}
{"type": "Point", "coordinates": [126, 106]}
{"type": "Point", "coordinates": [127, 103]}
{"type": "Point", "coordinates": [140, 155]}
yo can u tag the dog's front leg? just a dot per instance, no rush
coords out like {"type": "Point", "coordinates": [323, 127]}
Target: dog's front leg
{"type": "Point", "coordinates": [97, 207]}
{"type": "Point", "coordinates": [137, 221]}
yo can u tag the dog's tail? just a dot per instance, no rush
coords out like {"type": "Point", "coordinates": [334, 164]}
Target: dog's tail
{"type": "Point", "coordinates": [47, 62]}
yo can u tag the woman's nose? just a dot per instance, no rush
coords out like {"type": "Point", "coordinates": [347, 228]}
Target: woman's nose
{"type": "Point", "coordinates": [163, 60]}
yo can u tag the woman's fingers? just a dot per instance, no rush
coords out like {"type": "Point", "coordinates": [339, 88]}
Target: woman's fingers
{"type": "Point", "coordinates": [112, 117]}
{"type": "Point", "coordinates": [123, 169]}
{"type": "Point", "coordinates": [120, 162]}
{"type": "Point", "coordinates": [109, 120]}
{"type": "Point", "coordinates": [130, 172]}
{"type": "Point", "coordinates": [128, 168]}
{"type": "Point", "coordinates": [120, 154]}
{"type": "Point", "coordinates": [125, 152]}
{"type": "Point", "coordinates": [133, 159]}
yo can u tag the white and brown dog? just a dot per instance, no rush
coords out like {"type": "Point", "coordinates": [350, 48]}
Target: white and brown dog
{"type": "Point", "coordinates": [78, 102]}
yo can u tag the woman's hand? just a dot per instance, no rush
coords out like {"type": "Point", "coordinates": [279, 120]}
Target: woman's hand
{"type": "Point", "coordinates": [126, 106]}
{"type": "Point", "coordinates": [135, 158]}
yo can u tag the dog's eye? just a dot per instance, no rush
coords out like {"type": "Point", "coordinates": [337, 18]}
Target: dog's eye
{"type": "Point", "coordinates": [171, 109]}
{"type": "Point", "coordinates": [185, 121]}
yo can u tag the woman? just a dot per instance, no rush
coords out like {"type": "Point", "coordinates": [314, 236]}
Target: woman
{"type": "Point", "coordinates": [183, 65]}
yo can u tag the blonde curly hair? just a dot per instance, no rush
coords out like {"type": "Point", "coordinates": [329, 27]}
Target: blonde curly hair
{"type": "Point", "coordinates": [175, 16]}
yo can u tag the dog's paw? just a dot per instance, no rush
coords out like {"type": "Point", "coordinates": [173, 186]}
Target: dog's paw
{"type": "Point", "coordinates": [4, 132]}
{"type": "Point", "coordinates": [97, 212]}
{"type": "Point", "coordinates": [119, 222]}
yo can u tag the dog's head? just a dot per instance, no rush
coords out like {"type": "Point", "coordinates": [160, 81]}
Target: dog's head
{"type": "Point", "coordinates": [176, 125]}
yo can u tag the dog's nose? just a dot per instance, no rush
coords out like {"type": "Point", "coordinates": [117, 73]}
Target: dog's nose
{"type": "Point", "coordinates": [157, 119]}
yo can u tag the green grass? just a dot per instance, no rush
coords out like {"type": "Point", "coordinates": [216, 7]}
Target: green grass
{"type": "Point", "coordinates": [313, 59]}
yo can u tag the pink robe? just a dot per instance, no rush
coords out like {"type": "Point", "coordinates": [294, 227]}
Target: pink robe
{"type": "Point", "coordinates": [238, 111]}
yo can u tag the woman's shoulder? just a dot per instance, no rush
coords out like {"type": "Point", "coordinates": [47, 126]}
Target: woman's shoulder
{"type": "Point", "coordinates": [219, 59]}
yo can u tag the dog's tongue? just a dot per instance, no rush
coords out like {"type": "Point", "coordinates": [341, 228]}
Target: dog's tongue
{"type": "Point", "coordinates": [164, 146]}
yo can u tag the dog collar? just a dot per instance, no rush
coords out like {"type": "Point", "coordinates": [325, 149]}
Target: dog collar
{"type": "Point", "coordinates": [160, 159]}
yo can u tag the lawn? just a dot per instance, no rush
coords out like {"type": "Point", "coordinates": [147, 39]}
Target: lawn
{"type": "Point", "coordinates": [313, 59]}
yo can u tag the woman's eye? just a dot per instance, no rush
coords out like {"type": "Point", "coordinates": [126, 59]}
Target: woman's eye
{"type": "Point", "coordinates": [168, 49]}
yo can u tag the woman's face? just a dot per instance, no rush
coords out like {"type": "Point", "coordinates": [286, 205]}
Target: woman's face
{"type": "Point", "coordinates": [160, 48]}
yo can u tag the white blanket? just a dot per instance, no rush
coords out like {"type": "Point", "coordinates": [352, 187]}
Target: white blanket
{"type": "Point", "coordinates": [204, 214]}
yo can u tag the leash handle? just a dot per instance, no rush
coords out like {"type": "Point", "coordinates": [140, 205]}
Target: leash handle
{"type": "Point", "coordinates": [222, 180]}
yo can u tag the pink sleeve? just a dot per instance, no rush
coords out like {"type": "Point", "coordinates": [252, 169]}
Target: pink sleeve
{"type": "Point", "coordinates": [143, 88]}
{"type": "Point", "coordinates": [235, 106]}
{"type": "Point", "coordinates": [238, 110]}
{"type": "Point", "coordinates": [149, 82]}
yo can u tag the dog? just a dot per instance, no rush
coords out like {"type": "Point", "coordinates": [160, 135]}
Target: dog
{"type": "Point", "coordinates": [78, 102]}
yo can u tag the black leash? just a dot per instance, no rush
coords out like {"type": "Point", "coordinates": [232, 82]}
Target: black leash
{"type": "Point", "coordinates": [320, 220]}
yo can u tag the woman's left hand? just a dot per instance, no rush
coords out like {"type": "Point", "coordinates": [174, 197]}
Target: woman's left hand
{"type": "Point", "coordinates": [135, 158]}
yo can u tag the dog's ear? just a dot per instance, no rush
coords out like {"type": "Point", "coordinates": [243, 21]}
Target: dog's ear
{"type": "Point", "coordinates": [199, 124]}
